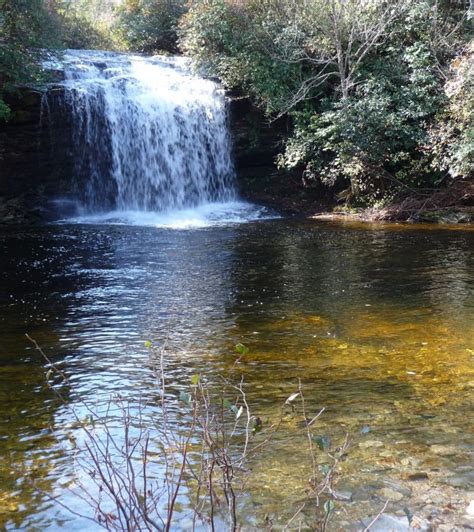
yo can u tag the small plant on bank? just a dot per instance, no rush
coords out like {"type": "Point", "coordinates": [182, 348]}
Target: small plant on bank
{"type": "Point", "coordinates": [134, 468]}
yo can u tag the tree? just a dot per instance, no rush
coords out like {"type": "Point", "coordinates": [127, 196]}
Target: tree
{"type": "Point", "coordinates": [25, 25]}
{"type": "Point", "coordinates": [361, 80]}
{"type": "Point", "coordinates": [334, 37]}
{"type": "Point", "coordinates": [149, 26]}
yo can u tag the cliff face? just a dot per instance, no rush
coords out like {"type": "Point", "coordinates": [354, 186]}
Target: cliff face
{"type": "Point", "coordinates": [37, 173]}
{"type": "Point", "coordinates": [256, 141]}
{"type": "Point", "coordinates": [35, 156]}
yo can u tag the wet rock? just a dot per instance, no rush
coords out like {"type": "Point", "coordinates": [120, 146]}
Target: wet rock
{"type": "Point", "coordinates": [397, 486]}
{"type": "Point", "coordinates": [393, 523]}
{"type": "Point", "coordinates": [390, 495]}
{"type": "Point", "coordinates": [362, 494]}
{"type": "Point", "coordinates": [421, 475]}
{"type": "Point", "coordinates": [448, 217]}
{"type": "Point", "coordinates": [344, 496]}
{"type": "Point", "coordinates": [35, 155]}
{"type": "Point", "coordinates": [256, 143]}
{"type": "Point", "coordinates": [371, 444]}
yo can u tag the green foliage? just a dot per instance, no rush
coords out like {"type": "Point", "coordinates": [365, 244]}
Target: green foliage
{"type": "Point", "coordinates": [28, 26]}
{"type": "Point", "coordinates": [362, 82]}
{"type": "Point", "coordinates": [376, 101]}
{"type": "Point", "coordinates": [149, 26]}
{"type": "Point", "coordinates": [378, 132]}
{"type": "Point", "coordinates": [25, 26]}
{"type": "Point", "coordinates": [451, 136]}
{"type": "Point", "coordinates": [329, 506]}
{"type": "Point", "coordinates": [234, 41]}
{"type": "Point", "coordinates": [85, 23]}
{"type": "Point", "coordinates": [241, 349]}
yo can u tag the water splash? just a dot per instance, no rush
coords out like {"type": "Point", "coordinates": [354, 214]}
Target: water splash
{"type": "Point", "coordinates": [149, 136]}
{"type": "Point", "coordinates": [207, 215]}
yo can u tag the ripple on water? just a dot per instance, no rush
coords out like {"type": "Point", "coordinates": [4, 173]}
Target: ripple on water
{"type": "Point", "coordinates": [376, 324]}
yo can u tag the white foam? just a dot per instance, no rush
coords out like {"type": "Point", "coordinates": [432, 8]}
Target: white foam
{"type": "Point", "coordinates": [208, 215]}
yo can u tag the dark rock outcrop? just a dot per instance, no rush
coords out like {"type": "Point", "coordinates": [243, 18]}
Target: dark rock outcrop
{"type": "Point", "coordinates": [35, 155]}
{"type": "Point", "coordinates": [256, 141]}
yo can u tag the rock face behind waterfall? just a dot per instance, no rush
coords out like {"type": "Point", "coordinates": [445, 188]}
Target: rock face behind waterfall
{"type": "Point", "coordinates": [35, 156]}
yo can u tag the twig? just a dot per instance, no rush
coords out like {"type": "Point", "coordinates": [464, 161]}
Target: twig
{"type": "Point", "coordinates": [377, 517]}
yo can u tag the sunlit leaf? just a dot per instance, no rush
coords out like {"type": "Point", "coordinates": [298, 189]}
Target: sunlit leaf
{"type": "Point", "coordinates": [292, 398]}
{"type": "Point", "coordinates": [241, 349]}
{"type": "Point", "coordinates": [323, 442]}
{"type": "Point", "coordinates": [148, 344]}
{"type": "Point", "coordinates": [329, 507]}
{"type": "Point", "coordinates": [195, 379]}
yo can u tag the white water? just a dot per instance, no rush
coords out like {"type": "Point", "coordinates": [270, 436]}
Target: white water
{"type": "Point", "coordinates": [151, 140]}
{"type": "Point", "coordinates": [206, 215]}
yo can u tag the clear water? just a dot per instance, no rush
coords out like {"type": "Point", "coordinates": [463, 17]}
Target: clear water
{"type": "Point", "coordinates": [376, 321]}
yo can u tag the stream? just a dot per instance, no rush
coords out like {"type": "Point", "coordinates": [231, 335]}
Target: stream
{"type": "Point", "coordinates": [374, 320]}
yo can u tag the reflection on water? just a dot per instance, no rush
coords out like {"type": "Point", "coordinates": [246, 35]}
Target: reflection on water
{"type": "Point", "coordinates": [377, 324]}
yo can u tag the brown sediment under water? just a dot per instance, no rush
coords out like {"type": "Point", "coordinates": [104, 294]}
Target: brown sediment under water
{"type": "Point", "coordinates": [374, 320]}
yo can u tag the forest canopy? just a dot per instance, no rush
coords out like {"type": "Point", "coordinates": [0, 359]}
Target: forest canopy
{"type": "Point", "coordinates": [379, 93]}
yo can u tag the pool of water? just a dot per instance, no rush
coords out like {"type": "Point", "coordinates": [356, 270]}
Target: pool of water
{"type": "Point", "coordinates": [376, 322]}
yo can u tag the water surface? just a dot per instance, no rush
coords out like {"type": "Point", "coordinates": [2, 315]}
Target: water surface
{"type": "Point", "coordinates": [376, 321]}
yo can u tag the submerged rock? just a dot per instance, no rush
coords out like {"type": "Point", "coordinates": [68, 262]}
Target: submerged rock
{"type": "Point", "coordinates": [370, 444]}
{"type": "Point", "coordinates": [444, 450]}
{"type": "Point", "coordinates": [394, 523]}
{"type": "Point", "coordinates": [421, 475]}
{"type": "Point", "coordinates": [464, 481]}
{"type": "Point", "coordinates": [391, 495]}
{"type": "Point", "coordinates": [344, 496]}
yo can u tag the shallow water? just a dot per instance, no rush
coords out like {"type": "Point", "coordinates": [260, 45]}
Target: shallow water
{"type": "Point", "coordinates": [376, 321]}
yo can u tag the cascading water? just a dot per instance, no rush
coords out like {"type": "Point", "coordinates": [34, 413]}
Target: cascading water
{"type": "Point", "coordinates": [149, 136]}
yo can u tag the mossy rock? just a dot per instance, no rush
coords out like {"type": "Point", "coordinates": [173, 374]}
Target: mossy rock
{"type": "Point", "coordinates": [452, 216]}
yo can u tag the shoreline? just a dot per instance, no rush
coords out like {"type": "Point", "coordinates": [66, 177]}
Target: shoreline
{"type": "Point", "coordinates": [451, 206]}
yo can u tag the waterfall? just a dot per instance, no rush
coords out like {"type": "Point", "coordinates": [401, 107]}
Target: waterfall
{"type": "Point", "coordinates": [149, 136]}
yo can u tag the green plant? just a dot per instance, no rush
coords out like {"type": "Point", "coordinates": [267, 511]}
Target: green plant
{"type": "Point", "coordinates": [25, 26]}
{"type": "Point", "coordinates": [363, 83]}
{"type": "Point", "coordinates": [149, 26]}
{"type": "Point", "coordinates": [132, 469]}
